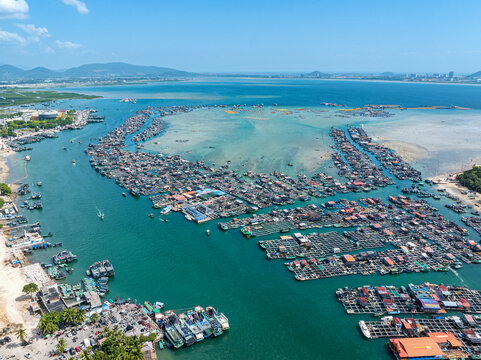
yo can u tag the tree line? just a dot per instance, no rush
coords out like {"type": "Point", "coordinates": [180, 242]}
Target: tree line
{"type": "Point", "coordinates": [471, 179]}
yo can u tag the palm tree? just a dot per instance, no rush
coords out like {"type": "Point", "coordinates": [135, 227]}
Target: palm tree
{"type": "Point", "coordinates": [85, 355]}
{"type": "Point", "coordinates": [61, 345]}
{"type": "Point", "coordinates": [79, 315]}
{"type": "Point", "coordinates": [94, 318]}
{"type": "Point", "coordinates": [68, 316]}
{"type": "Point", "coordinates": [21, 334]}
{"type": "Point", "coordinates": [48, 323]}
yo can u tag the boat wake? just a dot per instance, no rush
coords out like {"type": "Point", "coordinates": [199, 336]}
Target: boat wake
{"type": "Point", "coordinates": [457, 275]}
{"type": "Point", "coordinates": [100, 214]}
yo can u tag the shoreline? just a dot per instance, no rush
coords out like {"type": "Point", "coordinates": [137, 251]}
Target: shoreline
{"type": "Point", "coordinates": [13, 302]}
{"type": "Point", "coordinates": [453, 187]}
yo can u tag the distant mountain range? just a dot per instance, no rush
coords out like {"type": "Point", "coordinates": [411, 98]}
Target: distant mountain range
{"type": "Point", "coordinates": [89, 71]}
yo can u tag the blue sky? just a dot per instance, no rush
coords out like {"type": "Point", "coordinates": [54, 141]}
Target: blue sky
{"type": "Point", "coordinates": [255, 36]}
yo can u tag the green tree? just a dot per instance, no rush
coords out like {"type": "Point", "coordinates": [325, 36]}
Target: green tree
{"type": "Point", "coordinates": [94, 318]}
{"type": "Point", "coordinates": [49, 322]}
{"type": "Point", "coordinates": [5, 189]}
{"type": "Point", "coordinates": [21, 334]}
{"type": "Point", "coordinates": [61, 345]}
{"type": "Point", "coordinates": [68, 316]}
{"type": "Point", "coordinates": [85, 355]}
{"type": "Point", "coordinates": [30, 289]}
{"type": "Point", "coordinates": [117, 345]}
{"type": "Point", "coordinates": [79, 315]}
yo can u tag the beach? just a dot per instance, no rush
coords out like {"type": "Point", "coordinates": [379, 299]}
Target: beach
{"type": "Point", "coordinates": [454, 188]}
{"type": "Point", "coordinates": [13, 303]}
{"type": "Point", "coordinates": [4, 170]}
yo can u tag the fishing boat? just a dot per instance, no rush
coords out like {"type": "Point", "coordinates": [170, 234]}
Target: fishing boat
{"type": "Point", "coordinates": [181, 328]}
{"type": "Point", "coordinates": [36, 196]}
{"type": "Point", "coordinates": [201, 321]}
{"type": "Point", "coordinates": [63, 257]}
{"type": "Point", "coordinates": [124, 194]}
{"type": "Point", "coordinates": [246, 232]}
{"type": "Point", "coordinates": [73, 161]}
{"type": "Point", "coordinates": [166, 210]}
{"type": "Point", "coordinates": [134, 192]}
{"type": "Point", "coordinates": [39, 183]}
{"type": "Point", "coordinates": [101, 269]}
{"type": "Point", "coordinates": [148, 306]}
{"type": "Point", "coordinates": [190, 323]}
{"type": "Point", "coordinates": [214, 323]}
{"type": "Point", "coordinates": [212, 312]}
{"type": "Point", "coordinates": [207, 232]}
{"type": "Point", "coordinates": [170, 330]}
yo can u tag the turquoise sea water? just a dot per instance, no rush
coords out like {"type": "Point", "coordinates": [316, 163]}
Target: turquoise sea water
{"type": "Point", "coordinates": [272, 316]}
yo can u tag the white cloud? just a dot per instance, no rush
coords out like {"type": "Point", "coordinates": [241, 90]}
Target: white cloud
{"type": "Point", "coordinates": [66, 44]}
{"type": "Point", "coordinates": [80, 5]}
{"type": "Point", "coordinates": [10, 38]}
{"type": "Point", "coordinates": [36, 32]}
{"type": "Point", "coordinates": [13, 9]}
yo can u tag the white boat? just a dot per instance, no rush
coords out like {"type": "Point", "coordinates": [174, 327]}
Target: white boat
{"type": "Point", "coordinates": [28, 158]}
{"type": "Point", "coordinates": [166, 210]}
{"type": "Point", "coordinates": [364, 329]}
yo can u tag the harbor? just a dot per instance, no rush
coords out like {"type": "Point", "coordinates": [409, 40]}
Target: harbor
{"type": "Point", "coordinates": [224, 254]}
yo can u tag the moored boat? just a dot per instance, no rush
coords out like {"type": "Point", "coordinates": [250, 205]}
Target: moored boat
{"type": "Point", "coordinates": [220, 317]}
{"type": "Point", "coordinates": [170, 331]}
